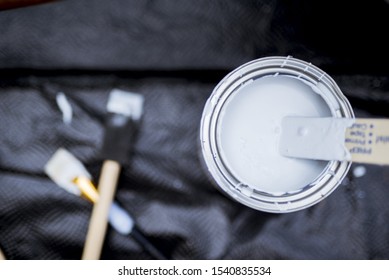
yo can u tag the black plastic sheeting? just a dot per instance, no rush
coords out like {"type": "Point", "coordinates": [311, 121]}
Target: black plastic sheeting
{"type": "Point", "coordinates": [174, 53]}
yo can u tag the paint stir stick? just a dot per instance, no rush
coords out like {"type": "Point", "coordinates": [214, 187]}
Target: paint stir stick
{"type": "Point", "coordinates": [363, 140]}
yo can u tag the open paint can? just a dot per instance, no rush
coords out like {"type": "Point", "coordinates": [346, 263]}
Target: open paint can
{"type": "Point", "coordinates": [241, 127]}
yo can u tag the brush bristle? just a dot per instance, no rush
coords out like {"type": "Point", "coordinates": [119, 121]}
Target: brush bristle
{"type": "Point", "coordinates": [63, 168]}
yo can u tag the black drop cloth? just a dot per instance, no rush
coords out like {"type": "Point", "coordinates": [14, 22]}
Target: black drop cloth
{"type": "Point", "coordinates": [174, 53]}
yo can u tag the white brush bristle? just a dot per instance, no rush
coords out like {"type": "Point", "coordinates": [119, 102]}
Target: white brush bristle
{"type": "Point", "coordinates": [126, 103]}
{"type": "Point", "coordinates": [63, 168]}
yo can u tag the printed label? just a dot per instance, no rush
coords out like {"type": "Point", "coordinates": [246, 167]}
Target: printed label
{"type": "Point", "coordinates": [368, 141]}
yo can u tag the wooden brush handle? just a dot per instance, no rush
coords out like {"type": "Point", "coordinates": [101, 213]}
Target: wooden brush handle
{"type": "Point", "coordinates": [98, 221]}
{"type": "Point", "coordinates": [2, 256]}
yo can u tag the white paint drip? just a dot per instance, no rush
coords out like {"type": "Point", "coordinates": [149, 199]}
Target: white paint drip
{"type": "Point", "coordinates": [359, 171]}
{"type": "Point", "coordinates": [65, 107]}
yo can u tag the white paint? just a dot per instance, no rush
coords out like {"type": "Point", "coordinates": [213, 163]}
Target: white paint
{"type": "Point", "coordinates": [250, 128]}
{"type": "Point", "coordinates": [120, 220]}
{"type": "Point", "coordinates": [126, 103]}
{"type": "Point", "coordinates": [315, 138]}
{"type": "Point", "coordinates": [63, 167]}
{"type": "Point", "coordinates": [359, 171]}
{"type": "Point", "coordinates": [65, 107]}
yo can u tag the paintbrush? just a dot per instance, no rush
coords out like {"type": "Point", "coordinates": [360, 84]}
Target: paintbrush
{"type": "Point", "coordinates": [124, 112]}
{"type": "Point", "coordinates": [71, 175]}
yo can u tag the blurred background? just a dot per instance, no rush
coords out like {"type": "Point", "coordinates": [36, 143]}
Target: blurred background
{"type": "Point", "coordinates": [174, 53]}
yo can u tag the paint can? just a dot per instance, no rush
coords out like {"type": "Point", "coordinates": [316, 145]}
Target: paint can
{"type": "Point", "coordinates": [240, 131]}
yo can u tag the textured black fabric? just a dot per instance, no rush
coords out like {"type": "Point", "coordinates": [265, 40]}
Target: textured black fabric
{"type": "Point", "coordinates": [175, 52]}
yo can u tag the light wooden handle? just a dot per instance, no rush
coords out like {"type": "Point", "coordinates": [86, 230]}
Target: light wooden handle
{"type": "Point", "coordinates": [98, 221]}
{"type": "Point", "coordinates": [2, 256]}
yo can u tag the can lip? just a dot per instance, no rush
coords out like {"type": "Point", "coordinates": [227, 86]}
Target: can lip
{"type": "Point", "coordinates": [307, 196]}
